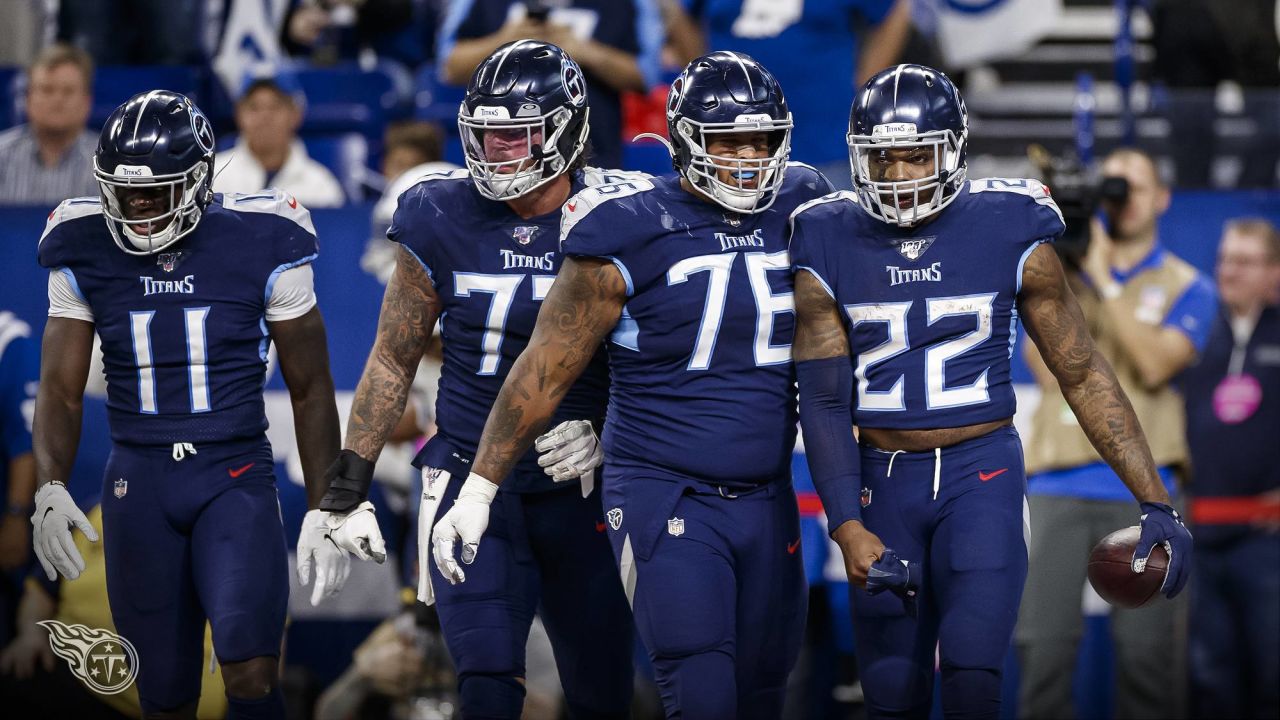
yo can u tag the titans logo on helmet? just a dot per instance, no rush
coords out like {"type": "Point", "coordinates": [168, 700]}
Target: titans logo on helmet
{"type": "Point", "coordinates": [674, 96]}
{"type": "Point", "coordinates": [575, 86]}
{"type": "Point", "coordinates": [202, 129]}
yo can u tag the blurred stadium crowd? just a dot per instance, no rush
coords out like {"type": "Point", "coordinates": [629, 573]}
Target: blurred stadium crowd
{"type": "Point", "coordinates": [342, 103]}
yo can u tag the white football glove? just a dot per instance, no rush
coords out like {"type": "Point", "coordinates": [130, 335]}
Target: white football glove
{"type": "Point", "coordinates": [570, 451]}
{"type": "Point", "coordinates": [55, 513]}
{"type": "Point", "coordinates": [465, 521]}
{"type": "Point", "coordinates": [357, 532]}
{"type": "Point", "coordinates": [317, 549]}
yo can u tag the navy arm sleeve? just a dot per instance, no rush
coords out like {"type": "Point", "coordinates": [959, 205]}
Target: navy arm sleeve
{"type": "Point", "coordinates": [826, 420]}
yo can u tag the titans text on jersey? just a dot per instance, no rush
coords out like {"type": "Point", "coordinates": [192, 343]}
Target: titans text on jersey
{"type": "Point", "coordinates": [931, 310]}
{"type": "Point", "coordinates": [491, 270]}
{"type": "Point", "coordinates": [702, 352]}
{"type": "Point", "coordinates": [184, 347]}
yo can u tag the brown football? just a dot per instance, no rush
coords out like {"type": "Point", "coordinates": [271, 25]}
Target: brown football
{"type": "Point", "coordinates": [1111, 575]}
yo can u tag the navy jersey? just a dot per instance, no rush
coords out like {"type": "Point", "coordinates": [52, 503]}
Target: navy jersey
{"type": "Point", "coordinates": [703, 383]}
{"type": "Point", "coordinates": [930, 311]}
{"type": "Point", "coordinates": [491, 270]}
{"type": "Point", "coordinates": [184, 332]}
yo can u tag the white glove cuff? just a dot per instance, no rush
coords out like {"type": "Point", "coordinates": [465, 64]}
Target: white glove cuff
{"type": "Point", "coordinates": [50, 488]}
{"type": "Point", "coordinates": [314, 519]}
{"type": "Point", "coordinates": [478, 488]}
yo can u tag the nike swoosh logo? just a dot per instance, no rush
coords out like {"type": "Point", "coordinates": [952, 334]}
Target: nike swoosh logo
{"type": "Point", "coordinates": [573, 206]}
{"type": "Point", "coordinates": [791, 547]}
{"type": "Point", "coordinates": [237, 472]}
{"type": "Point", "coordinates": [599, 526]}
{"type": "Point", "coordinates": [987, 476]}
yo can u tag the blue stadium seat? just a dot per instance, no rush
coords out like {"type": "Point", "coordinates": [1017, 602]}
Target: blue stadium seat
{"type": "Point", "coordinates": [345, 98]}
{"type": "Point", "coordinates": [437, 102]}
{"type": "Point", "coordinates": [347, 156]}
{"type": "Point", "coordinates": [113, 84]}
{"type": "Point", "coordinates": [434, 100]}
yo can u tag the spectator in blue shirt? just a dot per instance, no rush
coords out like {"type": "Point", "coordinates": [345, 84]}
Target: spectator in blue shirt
{"type": "Point", "coordinates": [813, 48]}
{"type": "Point", "coordinates": [617, 43]}
{"type": "Point", "coordinates": [1233, 423]}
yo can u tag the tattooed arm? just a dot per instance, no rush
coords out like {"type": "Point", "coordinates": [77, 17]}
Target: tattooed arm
{"type": "Point", "coordinates": [409, 311]}
{"type": "Point", "coordinates": [1058, 328]}
{"type": "Point", "coordinates": [582, 307]}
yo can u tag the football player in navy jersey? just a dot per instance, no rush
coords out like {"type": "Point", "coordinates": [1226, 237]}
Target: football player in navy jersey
{"type": "Point", "coordinates": [187, 289]}
{"type": "Point", "coordinates": [688, 278]}
{"type": "Point", "coordinates": [478, 251]}
{"type": "Point", "coordinates": [908, 294]}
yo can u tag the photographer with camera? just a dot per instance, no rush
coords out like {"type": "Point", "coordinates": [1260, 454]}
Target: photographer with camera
{"type": "Point", "coordinates": [1149, 313]}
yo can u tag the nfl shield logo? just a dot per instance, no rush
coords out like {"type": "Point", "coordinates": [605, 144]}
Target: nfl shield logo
{"type": "Point", "coordinates": [675, 527]}
{"type": "Point", "coordinates": [523, 234]}
{"type": "Point", "coordinates": [866, 497]}
{"type": "Point", "coordinates": [615, 518]}
{"type": "Point", "coordinates": [122, 487]}
{"type": "Point", "coordinates": [169, 261]}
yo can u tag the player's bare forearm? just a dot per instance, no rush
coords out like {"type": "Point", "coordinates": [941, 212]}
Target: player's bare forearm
{"type": "Point", "coordinates": [885, 42]}
{"type": "Point", "coordinates": [304, 362]}
{"type": "Point", "coordinates": [64, 368]}
{"type": "Point", "coordinates": [583, 306]}
{"type": "Point", "coordinates": [409, 311]}
{"type": "Point", "coordinates": [616, 68]}
{"type": "Point", "coordinates": [1058, 328]}
{"type": "Point", "coordinates": [820, 332]}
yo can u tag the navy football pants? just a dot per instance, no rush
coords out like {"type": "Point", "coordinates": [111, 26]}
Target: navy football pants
{"type": "Point", "coordinates": [717, 586]}
{"type": "Point", "coordinates": [189, 540]}
{"type": "Point", "coordinates": [962, 512]}
{"type": "Point", "coordinates": [545, 552]}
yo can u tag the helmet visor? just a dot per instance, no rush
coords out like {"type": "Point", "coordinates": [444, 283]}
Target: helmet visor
{"type": "Point", "coordinates": [508, 157]}
{"type": "Point", "coordinates": [903, 179]}
{"type": "Point", "coordinates": [748, 179]}
{"type": "Point", "coordinates": [152, 211]}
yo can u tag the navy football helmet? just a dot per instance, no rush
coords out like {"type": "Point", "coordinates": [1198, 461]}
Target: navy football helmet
{"type": "Point", "coordinates": [908, 106]}
{"type": "Point", "coordinates": [154, 162]}
{"type": "Point", "coordinates": [721, 93]}
{"type": "Point", "coordinates": [534, 95]}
